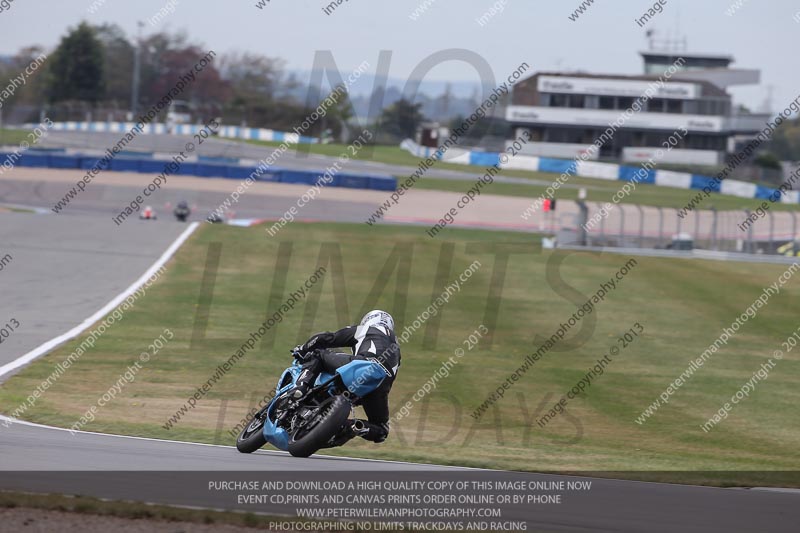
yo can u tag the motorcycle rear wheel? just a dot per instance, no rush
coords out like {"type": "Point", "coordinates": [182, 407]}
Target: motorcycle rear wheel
{"type": "Point", "coordinates": [334, 414]}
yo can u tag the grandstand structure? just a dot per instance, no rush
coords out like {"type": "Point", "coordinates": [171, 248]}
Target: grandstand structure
{"type": "Point", "coordinates": [565, 112]}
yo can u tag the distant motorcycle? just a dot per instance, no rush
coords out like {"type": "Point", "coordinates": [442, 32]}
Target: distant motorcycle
{"type": "Point", "coordinates": [182, 211]}
{"type": "Point", "coordinates": [319, 419]}
{"type": "Point", "coordinates": [148, 214]}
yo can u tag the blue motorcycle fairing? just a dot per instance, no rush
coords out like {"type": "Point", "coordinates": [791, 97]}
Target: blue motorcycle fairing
{"type": "Point", "coordinates": [290, 375]}
{"type": "Point", "coordinates": [275, 435]}
{"type": "Point", "coordinates": [362, 376]}
{"type": "Point", "coordinates": [359, 376]}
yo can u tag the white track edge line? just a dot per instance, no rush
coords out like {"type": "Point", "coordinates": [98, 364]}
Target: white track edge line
{"type": "Point", "coordinates": [166, 256]}
{"type": "Point", "coordinates": [260, 452]}
{"type": "Point", "coordinates": [83, 326]}
{"type": "Point", "coordinates": [364, 459]}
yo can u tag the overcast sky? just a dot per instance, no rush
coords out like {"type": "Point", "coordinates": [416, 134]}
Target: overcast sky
{"type": "Point", "coordinates": [605, 39]}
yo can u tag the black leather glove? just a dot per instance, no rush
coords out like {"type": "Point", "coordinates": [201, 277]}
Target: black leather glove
{"type": "Point", "coordinates": [311, 344]}
{"type": "Point", "coordinates": [304, 357]}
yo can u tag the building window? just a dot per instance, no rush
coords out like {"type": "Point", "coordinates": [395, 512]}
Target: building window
{"type": "Point", "coordinates": [544, 99]}
{"type": "Point", "coordinates": [577, 101]}
{"type": "Point", "coordinates": [713, 107]}
{"type": "Point", "coordinates": [606, 102]}
{"type": "Point", "coordinates": [706, 142]}
{"type": "Point", "coordinates": [721, 107]}
{"type": "Point", "coordinates": [565, 135]}
{"type": "Point", "coordinates": [656, 105]}
{"type": "Point", "coordinates": [674, 106]}
{"type": "Point", "coordinates": [638, 138]}
{"type": "Point", "coordinates": [562, 100]}
{"type": "Point", "coordinates": [624, 102]}
{"type": "Point", "coordinates": [559, 100]}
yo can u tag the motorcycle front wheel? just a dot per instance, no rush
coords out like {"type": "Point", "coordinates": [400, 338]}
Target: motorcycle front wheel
{"type": "Point", "coordinates": [252, 436]}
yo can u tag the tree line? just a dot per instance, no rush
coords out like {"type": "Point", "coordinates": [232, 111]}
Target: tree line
{"type": "Point", "coordinates": [90, 75]}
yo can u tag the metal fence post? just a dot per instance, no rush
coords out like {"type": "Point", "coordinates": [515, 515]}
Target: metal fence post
{"type": "Point", "coordinates": [771, 229]}
{"type": "Point", "coordinates": [714, 229]}
{"type": "Point", "coordinates": [602, 227]}
{"type": "Point", "coordinates": [641, 225]}
{"type": "Point", "coordinates": [749, 247]}
{"type": "Point", "coordinates": [697, 226]}
{"type": "Point", "coordinates": [724, 225]}
{"type": "Point", "coordinates": [583, 217]}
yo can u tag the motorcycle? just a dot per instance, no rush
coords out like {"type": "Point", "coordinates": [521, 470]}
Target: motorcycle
{"type": "Point", "coordinates": [182, 211]}
{"type": "Point", "coordinates": [319, 419]}
{"type": "Point", "coordinates": [147, 214]}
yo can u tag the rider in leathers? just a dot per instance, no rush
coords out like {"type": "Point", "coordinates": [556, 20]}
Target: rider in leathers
{"type": "Point", "coordinates": [372, 340]}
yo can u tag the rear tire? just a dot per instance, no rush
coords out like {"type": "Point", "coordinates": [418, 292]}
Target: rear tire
{"type": "Point", "coordinates": [335, 417]}
{"type": "Point", "coordinates": [252, 436]}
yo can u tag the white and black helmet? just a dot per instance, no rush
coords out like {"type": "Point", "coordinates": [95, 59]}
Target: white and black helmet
{"type": "Point", "coordinates": [378, 319]}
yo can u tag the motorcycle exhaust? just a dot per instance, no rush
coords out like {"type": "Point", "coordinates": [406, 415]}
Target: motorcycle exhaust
{"type": "Point", "coordinates": [359, 427]}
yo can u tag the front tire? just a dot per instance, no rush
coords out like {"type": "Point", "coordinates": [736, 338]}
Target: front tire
{"type": "Point", "coordinates": [334, 417]}
{"type": "Point", "coordinates": [252, 436]}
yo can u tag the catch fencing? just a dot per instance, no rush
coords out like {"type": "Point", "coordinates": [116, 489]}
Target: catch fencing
{"type": "Point", "coordinates": [627, 225]}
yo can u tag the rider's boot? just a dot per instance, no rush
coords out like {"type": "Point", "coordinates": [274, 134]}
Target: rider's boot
{"type": "Point", "coordinates": [352, 428]}
{"type": "Point", "coordinates": [376, 433]}
{"type": "Point", "coordinates": [306, 379]}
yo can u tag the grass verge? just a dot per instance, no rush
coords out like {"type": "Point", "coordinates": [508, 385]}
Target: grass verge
{"type": "Point", "coordinates": [521, 298]}
{"type": "Point", "coordinates": [597, 190]}
{"type": "Point", "coordinates": [13, 137]}
{"type": "Point", "coordinates": [602, 191]}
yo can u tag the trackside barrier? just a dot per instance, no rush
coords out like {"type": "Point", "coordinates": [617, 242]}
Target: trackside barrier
{"type": "Point", "coordinates": [607, 171]}
{"type": "Point", "coordinates": [203, 168]}
{"type": "Point", "coordinates": [228, 132]}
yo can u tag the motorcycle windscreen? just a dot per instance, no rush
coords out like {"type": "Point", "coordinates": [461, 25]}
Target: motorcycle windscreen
{"type": "Point", "coordinates": [361, 376]}
{"type": "Point", "coordinates": [287, 379]}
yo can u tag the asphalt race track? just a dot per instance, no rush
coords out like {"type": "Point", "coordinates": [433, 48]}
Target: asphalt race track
{"type": "Point", "coordinates": [626, 223]}
{"type": "Point", "coordinates": [300, 160]}
{"type": "Point", "coordinates": [65, 268]}
{"type": "Point", "coordinates": [108, 201]}
{"type": "Point", "coordinates": [40, 459]}
{"type": "Point", "coordinates": [61, 450]}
